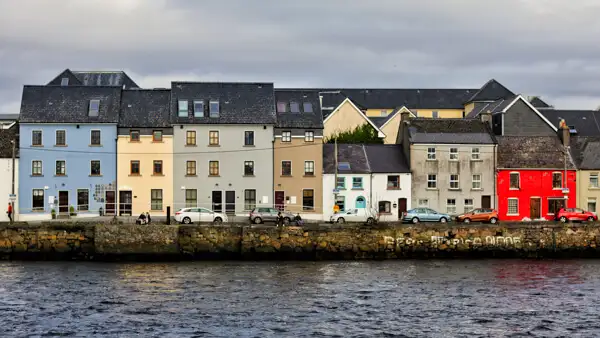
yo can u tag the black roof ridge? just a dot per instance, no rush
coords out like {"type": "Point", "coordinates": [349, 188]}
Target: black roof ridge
{"type": "Point", "coordinates": [337, 89]}
{"type": "Point", "coordinates": [221, 82]}
{"type": "Point", "coordinates": [74, 86]}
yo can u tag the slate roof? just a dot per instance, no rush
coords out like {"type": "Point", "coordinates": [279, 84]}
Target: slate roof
{"type": "Point", "coordinates": [539, 103]}
{"type": "Point", "coordinates": [491, 91]}
{"type": "Point", "coordinates": [69, 104]}
{"type": "Point", "coordinates": [492, 107]}
{"type": "Point", "coordinates": [586, 152]}
{"type": "Point", "coordinates": [387, 158]}
{"type": "Point", "coordinates": [6, 136]}
{"type": "Point", "coordinates": [312, 120]}
{"type": "Point", "coordinates": [366, 158]}
{"type": "Point", "coordinates": [145, 108]}
{"type": "Point", "coordinates": [586, 122]}
{"type": "Point", "coordinates": [95, 78]}
{"type": "Point", "coordinates": [449, 131]}
{"type": "Point", "coordinates": [9, 117]}
{"type": "Point", "coordinates": [239, 103]}
{"type": "Point", "coordinates": [529, 152]}
{"type": "Point", "coordinates": [354, 154]}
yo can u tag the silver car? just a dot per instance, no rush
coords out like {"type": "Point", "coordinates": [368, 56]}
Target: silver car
{"type": "Point", "coordinates": [261, 215]}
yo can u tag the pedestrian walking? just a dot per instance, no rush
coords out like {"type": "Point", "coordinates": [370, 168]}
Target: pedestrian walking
{"type": "Point", "coordinates": [9, 212]}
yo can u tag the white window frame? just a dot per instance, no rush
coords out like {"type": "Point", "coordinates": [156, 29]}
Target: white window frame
{"type": "Point", "coordinates": [508, 200]}
{"type": "Point", "coordinates": [309, 136]}
{"type": "Point", "coordinates": [561, 180]}
{"type": "Point", "coordinates": [310, 164]}
{"type": "Point", "coordinates": [475, 154]}
{"type": "Point", "coordinates": [180, 111]}
{"type": "Point", "coordinates": [291, 168]}
{"type": "Point", "coordinates": [468, 206]}
{"type": "Point", "coordinates": [41, 168]}
{"type": "Point", "coordinates": [196, 112]}
{"type": "Point", "coordinates": [214, 113]}
{"type": "Point", "coordinates": [56, 138]}
{"type": "Point", "coordinates": [454, 181]}
{"type": "Point", "coordinates": [100, 133]}
{"type": "Point", "coordinates": [431, 154]}
{"type": "Point", "coordinates": [450, 208]}
{"type": "Point", "coordinates": [93, 112]}
{"type": "Point", "coordinates": [64, 81]}
{"type": "Point", "coordinates": [510, 180]}
{"type": "Point", "coordinates": [430, 180]}
{"type": "Point", "coordinates": [453, 154]}
{"type": "Point", "coordinates": [41, 138]}
{"type": "Point", "coordinates": [362, 183]}
{"type": "Point", "coordinates": [286, 136]}
{"type": "Point", "coordinates": [55, 163]}
{"type": "Point", "coordinates": [597, 185]}
{"type": "Point", "coordinates": [475, 181]}
{"type": "Point", "coordinates": [592, 200]}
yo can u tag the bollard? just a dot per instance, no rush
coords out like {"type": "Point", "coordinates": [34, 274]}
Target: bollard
{"type": "Point", "coordinates": [168, 215]}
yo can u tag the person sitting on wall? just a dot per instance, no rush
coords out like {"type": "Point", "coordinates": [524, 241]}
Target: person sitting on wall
{"type": "Point", "coordinates": [148, 219]}
{"type": "Point", "coordinates": [298, 220]}
{"type": "Point", "coordinates": [141, 219]}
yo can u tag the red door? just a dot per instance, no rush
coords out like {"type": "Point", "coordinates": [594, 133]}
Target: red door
{"type": "Point", "coordinates": [280, 200]}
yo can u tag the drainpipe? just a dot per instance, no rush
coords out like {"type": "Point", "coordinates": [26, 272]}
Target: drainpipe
{"type": "Point", "coordinates": [495, 178]}
{"type": "Point", "coordinates": [116, 177]}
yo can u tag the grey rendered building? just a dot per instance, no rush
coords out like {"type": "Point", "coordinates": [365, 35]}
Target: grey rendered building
{"type": "Point", "coordinates": [452, 162]}
{"type": "Point", "coordinates": [223, 145]}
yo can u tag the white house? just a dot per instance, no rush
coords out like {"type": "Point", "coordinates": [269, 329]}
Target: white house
{"type": "Point", "coordinates": [8, 132]}
{"type": "Point", "coordinates": [373, 176]}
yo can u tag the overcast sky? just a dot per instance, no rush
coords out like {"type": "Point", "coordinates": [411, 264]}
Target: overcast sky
{"type": "Point", "coordinates": [549, 48]}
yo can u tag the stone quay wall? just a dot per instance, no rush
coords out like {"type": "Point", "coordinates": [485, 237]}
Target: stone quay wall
{"type": "Point", "coordinates": [94, 241]}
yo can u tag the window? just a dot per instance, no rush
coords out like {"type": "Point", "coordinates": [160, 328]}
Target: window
{"type": "Point", "coordinates": [94, 108]}
{"type": "Point", "coordinates": [513, 206]}
{"type": "Point", "coordinates": [307, 107]}
{"type": "Point", "coordinates": [36, 168]}
{"type": "Point", "coordinates": [182, 108]}
{"type": "Point", "coordinates": [434, 114]}
{"type": "Point", "coordinates": [591, 205]}
{"type": "Point", "coordinates": [357, 183]}
{"type": "Point", "coordinates": [555, 204]}
{"type": "Point", "coordinates": [468, 204]}
{"type": "Point", "coordinates": [190, 168]}
{"type": "Point", "coordinates": [594, 180]}
{"type": "Point", "coordinates": [385, 207]}
{"type": "Point", "coordinates": [515, 181]}
{"type": "Point", "coordinates": [249, 199]}
{"type": "Point", "coordinates": [343, 166]}
{"type": "Point", "coordinates": [393, 182]}
{"type": "Point", "coordinates": [431, 153]}
{"type": "Point", "coordinates": [134, 168]}
{"type": "Point", "coordinates": [191, 198]}
{"type": "Point", "coordinates": [38, 200]}
{"type": "Point", "coordinates": [341, 183]}
{"type": "Point", "coordinates": [308, 199]}
{"type": "Point", "coordinates": [249, 168]}
{"type": "Point", "coordinates": [83, 200]}
{"type": "Point", "coordinates": [453, 154]}
{"type": "Point", "coordinates": [157, 136]}
{"type": "Point", "coordinates": [36, 138]}
{"type": "Point", "coordinates": [556, 180]}
{"type": "Point", "coordinates": [476, 182]}
{"type": "Point", "coordinates": [383, 113]}
{"type": "Point", "coordinates": [95, 168]}
{"type": "Point", "coordinates": [134, 136]}
{"type": "Point", "coordinates": [286, 168]}
{"type": "Point", "coordinates": [286, 136]}
{"type": "Point", "coordinates": [198, 109]}
{"type": "Point", "coordinates": [454, 181]}
{"type": "Point", "coordinates": [281, 107]}
{"type": "Point", "coordinates": [61, 138]}
{"type": "Point", "coordinates": [248, 138]}
{"type": "Point", "coordinates": [475, 154]}
{"type": "Point", "coordinates": [95, 138]}
{"type": "Point", "coordinates": [214, 108]}
{"type": "Point", "coordinates": [213, 168]}
{"type": "Point", "coordinates": [451, 206]}
{"type": "Point", "coordinates": [309, 168]}
{"type": "Point", "coordinates": [294, 107]}
{"type": "Point", "coordinates": [190, 138]}
{"type": "Point", "coordinates": [432, 181]}
{"type": "Point", "coordinates": [213, 138]}
{"type": "Point", "coordinates": [340, 201]}
{"type": "Point", "coordinates": [64, 81]}
{"type": "Point", "coordinates": [157, 168]}
{"type": "Point", "coordinates": [423, 203]}
{"type": "Point", "coordinates": [309, 136]}
{"type": "Point", "coordinates": [61, 168]}
{"type": "Point", "coordinates": [156, 199]}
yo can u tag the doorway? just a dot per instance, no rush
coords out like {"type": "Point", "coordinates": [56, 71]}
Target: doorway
{"type": "Point", "coordinates": [534, 208]}
{"type": "Point", "coordinates": [125, 203]}
{"type": "Point", "coordinates": [230, 202]}
{"type": "Point", "coordinates": [63, 202]}
{"type": "Point", "coordinates": [486, 202]}
{"type": "Point", "coordinates": [217, 201]}
{"type": "Point", "coordinates": [109, 203]}
{"type": "Point", "coordinates": [361, 202]}
{"type": "Point", "coordinates": [401, 207]}
{"type": "Point", "coordinates": [280, 200]}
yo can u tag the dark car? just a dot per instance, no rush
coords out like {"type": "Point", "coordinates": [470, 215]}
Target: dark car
{"type": "Point", "coordinates": [261, 215]}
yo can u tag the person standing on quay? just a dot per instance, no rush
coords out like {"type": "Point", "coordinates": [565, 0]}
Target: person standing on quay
{"type": "Point", "coordinates": [9, 212]}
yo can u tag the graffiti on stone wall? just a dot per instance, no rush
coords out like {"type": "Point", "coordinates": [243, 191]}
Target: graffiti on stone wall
{"type": "Point", "coordinates": [439, 240]}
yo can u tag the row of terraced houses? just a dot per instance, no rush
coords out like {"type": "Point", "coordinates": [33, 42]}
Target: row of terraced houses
{"type": "Point", "coordinates": [92, 143]}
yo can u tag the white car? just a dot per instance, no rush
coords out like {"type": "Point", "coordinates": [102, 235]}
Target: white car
{"type": "Point", "coordinates": [196, 215]}
{"type": "Point", "coordinates": [354, 215]}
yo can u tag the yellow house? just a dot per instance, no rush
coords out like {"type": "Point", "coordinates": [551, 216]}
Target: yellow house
{"type": "Point", "coordinates": [346, 117]}
{"type": "Point", "coordinates": [145, 153]}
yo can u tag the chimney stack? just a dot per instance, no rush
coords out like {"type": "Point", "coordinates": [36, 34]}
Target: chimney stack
{"type": "Point", "coordinates": [565, 133]}
{"type": "Point", "coordinates": [404, 116]}
{"type": "Point", "coordinates": [486, 117]}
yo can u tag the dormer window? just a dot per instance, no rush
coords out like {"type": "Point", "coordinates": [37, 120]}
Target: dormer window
{"type": "Point", "coordinates": [281, 107]}
{"type": "Point", "coordinates": [294, 107]}
{"type": "Point", "coordinates": [214, 108]}
{"type": "Point", "coordinates": [182, 110]}
{"type": "Point", "coordinates": [198, 108]}
{"type": "Point", "coordinates": [572, 130]}
{"type": "Point", "coordinates": [308, 107]}
{"type": "Point", "coordinates": [64, 81]}
{"type": "Point", "coordinates": [94, 108]}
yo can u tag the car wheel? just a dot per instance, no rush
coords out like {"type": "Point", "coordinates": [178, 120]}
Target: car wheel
{"type": "Point", "coordinates": [286, 220]}
{"type": "Point", "coordinates": [563, 219]}
{"type": "Point", "coordinates": [257, 220]}
{"type": "Point", "coordinates": [590, 219]}
{"type": "Point", "coordinates": [341, 220]}
{"type": "Point", "coordinates": [187, 220]}
{"type": "Point", "coordinates": [370, 220]}
{"type": "Point", "coordinates": [443, 220]}
{"type": "Point", "coordinates": [218, 220]}
{"type": "Point", "coordinates": [493, 220]}
{"type": "Point", "coordinates": [415, 220]}
{"type": "Point", "coordinates": [467, 220]}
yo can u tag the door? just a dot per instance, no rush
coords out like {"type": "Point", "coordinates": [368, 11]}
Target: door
{"type": "Point", "coordinates": [534, 208]}
{"type": "Point", "coordinates": [280, 200]}
{"type": "Point", "coordinates": [63, 202]}
{"type": "Point", "coordinates": [230, 202]}
{"type": "Point", "coordinates": [486, 202]}
{"type": "Point", "coordinates": [217, 201]}
{"type": "Point", "coordinates": [109, 203]}
{"type": "Point", "coordinates": [401, 207]}
{"type": "Point", "coordinates": [125, 203]}
{"type": "Point", "coordinates": [361, 202]}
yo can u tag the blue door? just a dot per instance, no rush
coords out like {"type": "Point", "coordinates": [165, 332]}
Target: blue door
{"type": "Point", "coordinates": [361, 203]}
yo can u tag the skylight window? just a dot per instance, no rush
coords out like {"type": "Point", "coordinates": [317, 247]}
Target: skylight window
{"type": "Point", "coordinates": [94, 108]}
{"type": "Point", "coordinates": [64, 81]}
{"type": "Point", "coordinates": [294, 107]}
{"type": "Point", "coordinates": [198, 108]}
{"type": "Point", "coordinates": [308, 107]}
{"type": "Point", "coordinates": [343, 166]}
{"type": "Point", "coordinates": [182, 110]}
{"type": "Point", "coordinates": [214, 108]}
{"type": "Point", "coordinates": [281, 107]}
{"type": "Point", "coordinates": [572, 130]}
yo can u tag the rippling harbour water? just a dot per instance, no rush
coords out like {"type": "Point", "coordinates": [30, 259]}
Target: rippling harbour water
{"type": "Point", "coordinates": [491, 298]}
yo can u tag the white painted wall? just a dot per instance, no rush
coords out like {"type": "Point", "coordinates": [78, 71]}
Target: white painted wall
{"type": "Point", "coordinates": [6, 185]}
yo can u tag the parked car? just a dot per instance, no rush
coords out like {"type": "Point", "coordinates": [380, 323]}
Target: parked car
{"type": "Point", "coordinates": [479, 215]}
{"type": "Point", "coordinates": [575, 214]}
{"type": "Point", "coordinates": [354, 215]}
{"type": "Point", "coordinates": [191, 215]}
{"type": "Point", "coordinates": [261, 215]}
{"type": "Point", "coordinates": [425, 215]}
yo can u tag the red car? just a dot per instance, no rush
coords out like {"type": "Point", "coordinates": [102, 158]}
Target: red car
{"type": "Point", "coordinates": [574, 214]}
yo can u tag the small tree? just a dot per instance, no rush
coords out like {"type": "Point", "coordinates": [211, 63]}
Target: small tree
{"type": "Point", "coordinates": [361, 134]}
